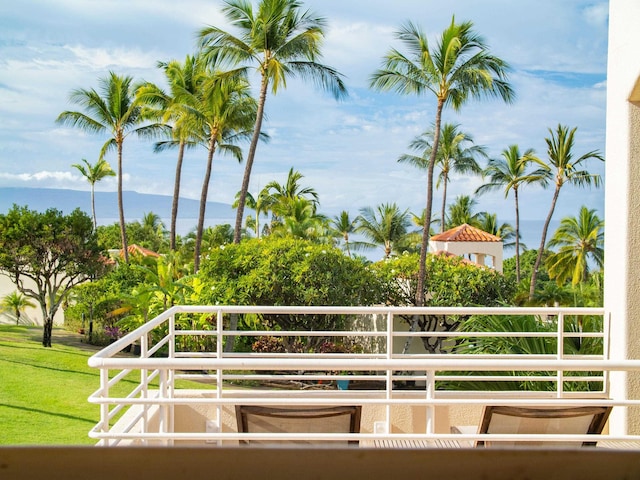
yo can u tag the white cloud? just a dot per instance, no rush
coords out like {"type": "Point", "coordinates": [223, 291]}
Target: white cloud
{"type": "Point", "coordinates": [104, 59]}
{"type": "Point", "coordinates": [346, 150]}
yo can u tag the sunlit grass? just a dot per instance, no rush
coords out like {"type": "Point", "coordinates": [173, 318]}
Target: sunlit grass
{"type": "Point", "coordinates": [44, 391]}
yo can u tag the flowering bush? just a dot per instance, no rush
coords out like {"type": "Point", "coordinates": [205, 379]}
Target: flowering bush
{"type": "Point", "coordinates": [112, 332]}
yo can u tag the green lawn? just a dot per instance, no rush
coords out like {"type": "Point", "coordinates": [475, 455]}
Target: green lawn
{"type": "Point", "coordinates": [43, 391]}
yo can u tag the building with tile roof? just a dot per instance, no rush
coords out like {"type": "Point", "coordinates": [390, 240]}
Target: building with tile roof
{"type": "Point", "coordinates": [469, 242]}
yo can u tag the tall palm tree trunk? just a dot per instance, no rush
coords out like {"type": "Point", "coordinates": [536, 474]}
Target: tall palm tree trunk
{"type": "Point", "coordinates": [203, 203]}
{"type": "Point", "coordinates": [123, 226]}
{"type": "Point", "coordinates": [176, 197]}
{"type": "Point", "coordinates": [444, 202]}
{"type": "Point", "coordinates": [93, 206]}
{"type": "Point", "coordinates": [545, 228]}
{"type": "Point", "coordinates": [515, 194]}
{"type": "Point", "coordinates": [250, 156]}
{"type": "Point", "coordinates": [422, 271]}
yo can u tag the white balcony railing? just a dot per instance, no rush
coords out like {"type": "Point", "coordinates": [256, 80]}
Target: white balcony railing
{"type": "Point", "coordinates": [180, 388]}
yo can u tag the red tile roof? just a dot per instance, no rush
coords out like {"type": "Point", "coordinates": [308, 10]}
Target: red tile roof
{"type": "Point", "coordinates": [138, 250]}
{"type": "Point", "coordinates": [465, 233]}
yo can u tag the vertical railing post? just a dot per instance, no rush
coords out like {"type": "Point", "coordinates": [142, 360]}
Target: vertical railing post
{"type": "Point", "coordinates": [219, 376]}
{"type": "Point", "coordinates": [560, 355]}
{"type": "Point", "coordinates": [431, 410]}
{"type": "Point", "coordinates": [606, 346]}
{"type": "Point", "coordinates": [144, 380]}
{"type": "Point", "coordinates": [389, 380]}
{"type": "Point", "coordinates": [104, 407]}
{"type": "Point", "coordinates": [171, 374]}
{"type": "Point", "coordinates": [163, 426]}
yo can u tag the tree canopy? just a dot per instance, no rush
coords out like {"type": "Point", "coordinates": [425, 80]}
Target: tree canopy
{"type": "Point", "coordinates": [286, 271]}
{"type": "Point", "coordinates": [45, 254]}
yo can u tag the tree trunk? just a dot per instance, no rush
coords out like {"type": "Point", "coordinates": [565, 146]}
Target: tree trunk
{"type": "Point", "coordinates": [176, 197]}
{"type": "Point", "coordinates": [515, 194]}
{"type": "Point", "coordinates": [233, 325]}
{"type": "Point", "coordinates": [203, 202]}
{"type": "Point", "coordinates": [93, 206]}
{"type": "Point", "coordinates": [427, 215]}
{"type": "Point", "coordinates": [250, 157]}
{"type": "Point", "coordinates": [543, 241]}
{"type": "Point", "coordinates": [123, 229]}
{"type": "Point", "coordinates": [46, 333]}
{"type": "Point", "coordinates": [444, 202]}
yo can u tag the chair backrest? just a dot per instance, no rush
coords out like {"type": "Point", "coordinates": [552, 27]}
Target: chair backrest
{"type": "Point", "coordinates": [298, 419]}
{"type": "Point", "coordinates": [543, 420]}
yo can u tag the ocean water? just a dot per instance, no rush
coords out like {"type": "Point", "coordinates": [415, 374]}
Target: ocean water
{"type": "Point", "coordinates": [531, 234]}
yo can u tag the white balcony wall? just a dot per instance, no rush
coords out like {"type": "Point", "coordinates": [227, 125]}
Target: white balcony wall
{"type": "Point", "coordinates": [622, 200]}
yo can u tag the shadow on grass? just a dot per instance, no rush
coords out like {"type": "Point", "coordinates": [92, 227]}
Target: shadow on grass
{"type": "Point", "coordinates": [47, 367]}
{"type": "Point", "coordinates": [68, 350]}
{"type": "Point", "coordinates": [45, 412]}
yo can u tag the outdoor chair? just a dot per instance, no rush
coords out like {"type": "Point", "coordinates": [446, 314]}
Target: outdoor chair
{"type": "Point", "coordinates": [298, 419]}
{"type": "Point", "coordinates": [542, 420]}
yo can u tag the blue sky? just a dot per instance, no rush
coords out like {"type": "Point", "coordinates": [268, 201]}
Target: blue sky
{"type": "Point", "coordinates": [346, 150]}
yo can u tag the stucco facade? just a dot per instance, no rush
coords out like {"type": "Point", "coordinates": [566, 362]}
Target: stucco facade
{"type": "Point", "coordinates": [622, 201]}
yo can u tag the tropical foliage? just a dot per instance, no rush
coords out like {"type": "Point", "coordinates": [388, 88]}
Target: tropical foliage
{"type": "Point", "coordinates": [521, 344]}
{"type": "Point", "coordinates": [457, 68]}
{"type": "Point", "coordinates": [46, 254]}
{"type": "Point", "coordinates": [113, 110]}
{"type": "Point", "coordinates": [280, 41]}
{"type": "Point", "coordinates": [176, 109]}
{"type": "Point", "coordinates": [387, 226]}
{"type": "Point", "coordinates": [94, 173]}
{"type": "Point", "coordinates": [510, 173]}
{"type": "Point", "coordinates": [286, 271]}
{"type": "Point", "coordinates": [451, 282]}
{"type": "Point", "coordinates": [581, 239]}
{"type": "Point", "coordinates": [563, 169]}
{"type": "Point", "coordinates": [453, 157]}
{"type": "Point", "coordinates": [15, 303]}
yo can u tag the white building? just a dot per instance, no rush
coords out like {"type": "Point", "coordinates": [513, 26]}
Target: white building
{"type": "Point", "coordinates": [469, 242]}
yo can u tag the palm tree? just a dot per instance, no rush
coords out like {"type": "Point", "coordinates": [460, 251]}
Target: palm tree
{"type": "Point", "coordinates": [580, 239]}
{"type": "Point", "coordinates": [488, 222]}
{"type": "Point", "coordinates": [343, 226]}
{"type": "Point", "coordinates": [453, 157]}
{"type": "Point", "coordinates": [281, 41]}
{"type": "Point", "coordinates": [461, 212]}
{"type": "Point", "coordinates": [113, 110]}
{"type": "Point", "coordinates": [302, 221]}
{"type": "Point", "coordinates": [152, 223]}
{"type": "Point", "coordinates": [16, 303]}
{"type": "Point", "coordinates": [386, 226]}
{"type": "Point", "coordinates": [93, 174]}
{"type": "Point", "coordinates": [175, 109]}
{"type": "Point", "coordinates": [224, 111]}
{"type": "Point", "coordinates": [282, 197]}
{"type": "Point", "coordinates": [565, 170]}
{"type": "Point", "coordinates": [458, 68]}
{"type": "Point", "coordinates": [510, 172]}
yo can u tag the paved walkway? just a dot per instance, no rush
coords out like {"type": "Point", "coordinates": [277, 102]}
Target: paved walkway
{"type": "Point", "coordinates": [60, 336]}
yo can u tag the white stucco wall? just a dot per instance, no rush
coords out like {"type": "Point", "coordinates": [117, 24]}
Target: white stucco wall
{"type": "Point", "coordinates": [622, 202]}
{"type": "Point", "coordinates": [31, 316]}
{"type": "Point", "coordinates": [494, 250]}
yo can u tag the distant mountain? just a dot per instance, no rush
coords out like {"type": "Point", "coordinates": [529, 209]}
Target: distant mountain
{"type": "Point", "coordinates": [136, 205]}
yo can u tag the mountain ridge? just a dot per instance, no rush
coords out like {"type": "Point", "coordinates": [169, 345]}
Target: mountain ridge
{"type": "Point", "coordinates": [136, 205]}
